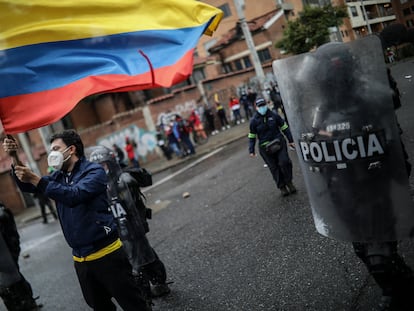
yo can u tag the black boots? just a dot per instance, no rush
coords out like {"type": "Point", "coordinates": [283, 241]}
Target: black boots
{"type": "Point", "coordinates": [158, 290]}
{"type": "Point", "coordinates": [284, 191]}
{"type": "Point", "coordinates": [289, 188]}
{"type": "Point", "coordinates": [18, 297]}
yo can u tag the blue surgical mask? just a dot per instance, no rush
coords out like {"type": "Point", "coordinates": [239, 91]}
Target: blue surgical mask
{"type": "Point", "coordinates": [262, 110]}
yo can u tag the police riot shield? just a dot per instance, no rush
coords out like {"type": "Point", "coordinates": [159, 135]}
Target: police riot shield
{"type": "Point", "coordinates": [339, 104]}
{"type": "Point", "coordinates": [9, 273]}
{"type": "Point", "coordinates": [130, 226]}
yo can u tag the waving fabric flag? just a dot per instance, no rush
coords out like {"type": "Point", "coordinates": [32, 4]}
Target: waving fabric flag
{"type": "Point", "coordinates": [53, 53]}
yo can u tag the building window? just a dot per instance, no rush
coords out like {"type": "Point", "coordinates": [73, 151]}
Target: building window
{"type": "Point", "coordinates": [264, 55]}
{"type": "Point", "coordinates": [198, 74]}
{"type": "Point", "coordinates": [208, 45]}
{"type": "Point", "coordinates": [354, 11]}
{"type": "Point", "coordinates": [184, 83]}
{"type": "Point", "coordinates": [226, 10]}
{"type": "Point", "coordinates": [67, 122]}
{"type": "Point", "coordinates": [403, 1]}
{"type": "Point", "coordinates": [238, 64]}
{"type": "Point", "coordinates": [247, 62]}
{"type": "Point", "coordinates": [227, 68]}
{"type": "Point", "coordinates": [406, 11]}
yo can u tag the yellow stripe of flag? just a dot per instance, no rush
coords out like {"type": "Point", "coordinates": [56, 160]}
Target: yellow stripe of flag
{"type": "Point", "coordinates": [24, 22]}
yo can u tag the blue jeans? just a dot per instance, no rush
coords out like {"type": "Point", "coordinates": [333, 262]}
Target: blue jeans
{"type": "Point", "coordinates": [187, 142]}
{"type": "Point", "coordinates": [175, 148]}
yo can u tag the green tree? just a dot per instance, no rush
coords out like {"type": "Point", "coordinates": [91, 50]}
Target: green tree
{"type": "Point", "coordinates": [310, 30]}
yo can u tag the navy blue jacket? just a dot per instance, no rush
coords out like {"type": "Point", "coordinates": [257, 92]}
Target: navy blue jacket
{"type": "Point", "coordinates": [82, 204]}
{"type": "Point", "coordinates": [267, 128]}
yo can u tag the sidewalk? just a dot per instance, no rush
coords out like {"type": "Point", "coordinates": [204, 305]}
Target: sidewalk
{"type": "Point", "coordinates": [223, 138]}
{"type": "Point", "coordinates": [214, 142]}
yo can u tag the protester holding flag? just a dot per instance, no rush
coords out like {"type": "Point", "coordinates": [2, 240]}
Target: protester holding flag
{"type": "Point", "coordinates": [79, 190]}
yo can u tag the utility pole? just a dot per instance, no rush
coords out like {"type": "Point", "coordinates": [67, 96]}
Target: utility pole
{"type": "Point", "coordinates": [366, 16]}
{"type": "Point", "coordinates": [202, 92]}
{"type": "Point", "coordinates": [239, 4]}
{"type": "Point", "coordinates": [28, 151]}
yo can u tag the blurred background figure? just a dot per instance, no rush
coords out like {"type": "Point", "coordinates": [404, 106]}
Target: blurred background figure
{"type": "Point", "coordinates": [197, 127]}
{"type": "Point", "coordinates": [120, 155]}
{"type": "Point", "coordinates": [221, 113]}
{"type": "Point", "coordinates": [235, 108]}
{"type": "Point", "coordinates": [209, 115]}
{"type": "Point", "coordinates": [172, 140]}
{"type": "Point", "coordinates": [162, 143]}
{"type": "Point", "coordinates": [247, 107]}
{"type": "Point", "coordinates": [43, 202]}
{"type": "Point", "coordinates": [130, 150]}
{"type": "Point", "coordinates": [182, 133]}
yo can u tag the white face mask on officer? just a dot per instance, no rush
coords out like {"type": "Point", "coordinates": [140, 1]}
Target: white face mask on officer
{"type": "Point", "coordinates": [56, 159]}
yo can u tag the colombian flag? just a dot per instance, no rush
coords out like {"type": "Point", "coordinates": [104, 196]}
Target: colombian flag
{"type": "Point", "coordinates": [53, 53]}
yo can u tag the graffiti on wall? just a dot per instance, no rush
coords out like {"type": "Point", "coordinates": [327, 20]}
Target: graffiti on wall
{"type": "Point", "coordinates": [181, 109]}
{"type": "Point", "coordinates": [146, 140]}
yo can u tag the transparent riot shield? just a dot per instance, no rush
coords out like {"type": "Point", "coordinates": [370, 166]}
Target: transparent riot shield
{"type": "Point", "coordinates": [130, 226]}
{"type": "Point", "coordinates": [8, 269]}
{"type": "Point", "coordinates": [340, 110]}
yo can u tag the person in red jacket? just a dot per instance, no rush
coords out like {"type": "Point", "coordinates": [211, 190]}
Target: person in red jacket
{"type": "Point", "coordinates": [197, 125]}
{"type": "Point", "coordinates": [129, 148]}
{"type": "Point", "coordinates": [235, 107]}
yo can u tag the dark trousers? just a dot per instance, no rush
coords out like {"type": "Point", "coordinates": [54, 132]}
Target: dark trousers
{"type": "Point", "coordinates": [107, 277]}
{"type": "Point", "coordinates": [43, 210]}
{"type": "Point", "coordinates": [18, 296]}
{"type": "Point", "coordinates": [389, 271]}
{"type": "Point", "coordinates": [155, 271]}
{"type": "Point", "coordinates": [237, 115]}
{"type": "Point", "coordinates": [279, 165]}
{"type": "Point", "coordinates": [248, 111]}
{"type": "Point", "coordinates": [185, 139]}
{"type": "Point", "coordinates": [223, 119]}
{"type": "Point", "coordinates": [211, 125]}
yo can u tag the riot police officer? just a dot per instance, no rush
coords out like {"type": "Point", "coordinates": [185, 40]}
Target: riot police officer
{"type": "Point", "coordinates": [340, 104]}
{"type": "Point", "coordinates": [267, 127]}
{"type": "Point", "coordinates": [131, 214]}
{"type": "Point", "coordinates": [15, 290]}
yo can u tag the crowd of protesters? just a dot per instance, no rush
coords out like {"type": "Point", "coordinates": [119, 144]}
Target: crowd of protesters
{"type": "Point", "coordinates": [178, 135]}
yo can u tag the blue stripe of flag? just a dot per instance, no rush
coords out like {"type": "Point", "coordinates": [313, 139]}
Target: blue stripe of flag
{"type": "Point", "coordinates": [47, 66]}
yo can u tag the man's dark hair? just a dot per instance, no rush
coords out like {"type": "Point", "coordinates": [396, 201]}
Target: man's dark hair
{"type": "Point", "coordinates": [70, 137]}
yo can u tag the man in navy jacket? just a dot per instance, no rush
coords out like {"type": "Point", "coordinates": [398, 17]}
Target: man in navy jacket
{"type": "Point", "coordinates": [267, 127]}
{"type": "Point", "coordinates": [79, 190]}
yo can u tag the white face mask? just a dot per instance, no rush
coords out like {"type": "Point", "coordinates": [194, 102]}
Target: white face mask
{"type": "Point", "coordinates": [55, 159]}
